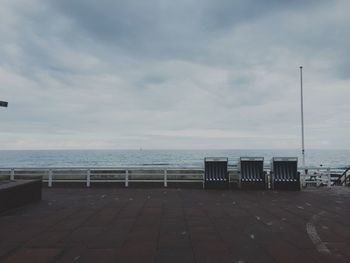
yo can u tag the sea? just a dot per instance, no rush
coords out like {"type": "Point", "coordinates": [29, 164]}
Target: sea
{"type": "Point", "coordinates": [144, 157]}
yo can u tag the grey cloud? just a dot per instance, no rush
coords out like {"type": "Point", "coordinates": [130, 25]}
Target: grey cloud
{"type": "Point", "coordinates": [130, 73]}
{"type": "Point", "coordinates": [167, 29]}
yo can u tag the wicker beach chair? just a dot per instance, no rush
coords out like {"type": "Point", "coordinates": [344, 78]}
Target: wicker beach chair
{"type": "Point", "coordinates": [284, 173]}
{"type": "Point", "coordinates": [251, 173]}
{"type": "Point", "coordinates": [216, 174]}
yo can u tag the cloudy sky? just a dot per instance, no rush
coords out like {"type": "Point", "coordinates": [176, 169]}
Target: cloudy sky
{"type": "Point", "coordinates": [221, 74]}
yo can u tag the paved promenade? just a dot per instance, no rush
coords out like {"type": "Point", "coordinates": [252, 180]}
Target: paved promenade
{"type": "Point", "coordinates": [179, 225]}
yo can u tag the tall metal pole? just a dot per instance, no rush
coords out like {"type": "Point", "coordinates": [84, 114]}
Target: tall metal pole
{"type": "Point", "coordinates": [302, 116]}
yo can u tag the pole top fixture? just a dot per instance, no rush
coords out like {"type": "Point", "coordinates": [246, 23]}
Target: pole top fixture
{"type": "Point", "coordinates": [3, 103]}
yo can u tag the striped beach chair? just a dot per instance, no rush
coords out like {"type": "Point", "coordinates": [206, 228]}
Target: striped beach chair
{"type": "Point", "coordinates": [251, 173]}
{"type": "Point", "coordinates": [216, 173]}
{"type": "Point", "coordinates": [284, 173]}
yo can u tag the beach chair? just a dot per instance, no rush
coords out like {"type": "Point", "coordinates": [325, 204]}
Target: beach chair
{"type": "Point", "coordinates": [215, 173]}
{"type": "Point", "coordinates": [251, 173]}
{"type": "Point", "coordinates": [284, 173]}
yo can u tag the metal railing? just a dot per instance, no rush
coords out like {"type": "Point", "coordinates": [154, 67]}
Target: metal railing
{"type": "Point", "coordinates": [343, 179]}
{"type": "Point", "coordinates": [324, 176]}
{"type": "Point", "coordinates": [317, 176]}
{"type": "Point", "coordinates": [125, 175]}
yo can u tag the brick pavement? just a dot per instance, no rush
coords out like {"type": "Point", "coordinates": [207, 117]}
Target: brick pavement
{"type": "Point", "coordinates": [178, 225]}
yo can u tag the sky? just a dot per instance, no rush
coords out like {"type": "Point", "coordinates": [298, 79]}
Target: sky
{"type": "Point", "coordinates": [185, 74]}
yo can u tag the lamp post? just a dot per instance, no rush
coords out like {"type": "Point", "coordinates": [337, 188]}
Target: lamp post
{"type": "Point", "coordinates": [3, 103]}
{"type": "Point", "coordinates": [302, 117]}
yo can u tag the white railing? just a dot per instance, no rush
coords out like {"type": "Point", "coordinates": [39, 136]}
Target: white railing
{"type": "Point", "coordinates": [125, 175]}
{"type": "Point", "coordinates": [322, 176]}
{"type": "Point", "coordinates": [317, 176]}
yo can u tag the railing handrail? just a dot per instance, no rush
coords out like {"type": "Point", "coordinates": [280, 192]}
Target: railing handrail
{"type": "Point", "coordinates": [341, 176]}
{"type": "Point", "coordinates": [116, 168]}
{"type": "Point", "coordinates": [123, 168]}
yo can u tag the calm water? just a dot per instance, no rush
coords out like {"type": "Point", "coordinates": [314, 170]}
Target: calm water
{"type": "Point", "coordinates": [83, 158]}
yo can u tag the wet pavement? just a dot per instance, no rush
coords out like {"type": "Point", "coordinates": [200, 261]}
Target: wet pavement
{"type": "Point", "coordinates": [179, 225]}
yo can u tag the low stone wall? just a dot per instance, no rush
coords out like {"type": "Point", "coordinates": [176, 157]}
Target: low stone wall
{"type": "Point", "coordinates": [18, 193]}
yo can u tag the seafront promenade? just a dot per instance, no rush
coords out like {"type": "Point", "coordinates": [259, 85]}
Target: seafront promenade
{"type": "Point", "coordinates": [179, 225]}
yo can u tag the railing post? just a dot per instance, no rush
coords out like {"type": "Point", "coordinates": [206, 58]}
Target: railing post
{"type": "Point", "coordinates": [126, 178]}
{"type": "Point", "coordinates": [302, 179]}
{"type": "Point", "coordinates": [12, 175]}
{"type": "Point", "coordinates": [271, 180]}
{"type": "Point", "coordinates": [88, 178]}
{"type": "Point", "coordinates": [329, 177]}
{"type": "Point", "coordinates": [203, 179]}
{"type": "Point", "coordinates": [165, 178]}
{"type": "Point", "coordinates": [239, 176]}
{"type": "Point", "coordinates": [50, 178]}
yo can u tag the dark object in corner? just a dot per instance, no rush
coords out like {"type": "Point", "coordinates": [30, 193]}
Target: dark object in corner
{"type": "Point", "coordinates": [18, 193]}
{"type": "Point", "coordinates": [3, 103]}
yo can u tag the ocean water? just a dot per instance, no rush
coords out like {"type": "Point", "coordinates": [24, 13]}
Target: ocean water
{"type": "Point", "coordinates": [180, 158]}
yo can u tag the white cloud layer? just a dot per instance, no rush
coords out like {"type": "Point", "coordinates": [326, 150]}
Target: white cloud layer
{"type": "Point", "coordinates": [165, 74]}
